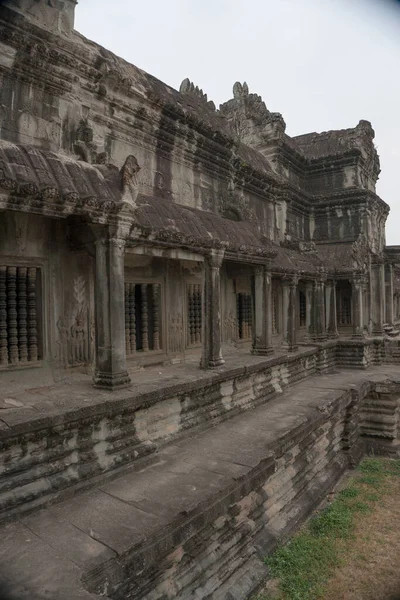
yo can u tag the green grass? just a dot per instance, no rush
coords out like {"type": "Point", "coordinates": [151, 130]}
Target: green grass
{"type": "Point", "coordinates": [304, 565]}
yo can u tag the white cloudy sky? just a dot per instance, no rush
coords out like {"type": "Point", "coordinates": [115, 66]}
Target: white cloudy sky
{"type": "Point", "coordinates": [324, 64]}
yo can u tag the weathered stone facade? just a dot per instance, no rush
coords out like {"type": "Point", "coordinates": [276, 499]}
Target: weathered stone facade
{"type": "Point", "coordinates": [214, 225]}
{"type": "Point", "coordinates": [143, 229]}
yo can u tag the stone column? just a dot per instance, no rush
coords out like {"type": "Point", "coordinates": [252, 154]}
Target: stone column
{"type": "Point", "coordinates": [309, 301]}
{"type": "Point", "coordinates": [110, 370]}
{"type": "Point", "coordinates": [289, 290]}
{"type": "Point", "coordinates": [357, 307]}
{"type": "Point", "coordinates": [332, 312]}
{"type": "Point", "coordinates": [212, 352]}
{"type": "Point", "coordinates": [389, 317]}
{"type": "Point", "coordinates": [377, 298]}
{"type": "Point", "coordinates": [262, 342]}
{"type": "Point", "coordinates": [318, 311]}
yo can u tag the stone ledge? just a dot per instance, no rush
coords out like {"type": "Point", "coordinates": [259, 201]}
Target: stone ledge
{"type": "Point", "coordinates": [193, 519]}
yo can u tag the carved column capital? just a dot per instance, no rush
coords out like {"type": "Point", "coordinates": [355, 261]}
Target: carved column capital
{"type": "Point", "coordinates": [215, 258]}
{"type": "Point", "coordinates": [290, 280]}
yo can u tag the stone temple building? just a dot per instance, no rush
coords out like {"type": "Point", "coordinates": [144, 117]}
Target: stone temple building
{"type": "Point", "coordinates": [141, 225]}
{"type": "Point", "coordinates": [143, 231]}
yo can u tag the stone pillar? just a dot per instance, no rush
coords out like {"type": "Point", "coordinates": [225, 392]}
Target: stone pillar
{"type": "Point", "coordinates": [389, 316]}
{"type": "Point", "coordinates": [110, 370]}
{"type": "Point", "coordinates": [262, 342]}
{"type": "Point", "coordinates": [377, 298]}
{"type": "Point", "coordinates": [318, 311]}
{"type": "Point", "coordinates": [212, 352]}
{"type": "Point", "coordinates": [357, 307]}
{"type": "Point", "coordinates": [332, 329]}
{"type": "Point", "coordinates": [309, 301]}
{"type": "Point", "coordinates": [289, 290]}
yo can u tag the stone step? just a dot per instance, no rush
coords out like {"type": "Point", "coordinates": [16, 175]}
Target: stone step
{"type": "Point", "coordinates": [208, 509]}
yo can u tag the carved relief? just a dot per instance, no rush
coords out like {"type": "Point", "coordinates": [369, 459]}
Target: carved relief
{"type": "Point", "coordinates": [144, 179]}
{"type": "Point", "coordinates": [187, 194]}
{"type": "Point", "coordinates": [175, 333]}
{"type": "Point", "coordinates": [159, 180]}
{"type": "Point", "coordinates": [73, 339]}
{"type": "Point", "coordinates": [229, 328]}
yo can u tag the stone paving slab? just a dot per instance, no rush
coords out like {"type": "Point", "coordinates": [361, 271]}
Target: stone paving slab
{"type": "Point", "coordinates": [43, 555]}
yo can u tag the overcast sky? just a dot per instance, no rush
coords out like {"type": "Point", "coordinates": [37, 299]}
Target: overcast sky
{"type": "Point", "coordinates": [324, 64]}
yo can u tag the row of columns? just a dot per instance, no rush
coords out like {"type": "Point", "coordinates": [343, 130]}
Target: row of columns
{"type": "Point", "coordinates": [111, 371]}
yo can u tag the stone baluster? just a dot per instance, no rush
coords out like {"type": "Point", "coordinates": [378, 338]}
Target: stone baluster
{"type": "Point", "coordinates": [156, 316]}
{"type": "Point", "coordinates": [289, 290]}
{"type": "Point", "coordinates": [357, 307]}
{"type": "Point", "coordinates": [12, 314]}
{"type": "Point", "coordinates": [212, 351]}
{"type": "Point", "coordinates": [132, 317]}
{"type": "Point", "coordinates": [191, 317]}
{"type": "Point", "coordinates": [32, 316]}
{"type": "Point", "coordinates": [262, 337]}
{"type": "Point", "coordinates": [22, 275]}
{"type": "Point", "coordinates": [3, 317]}
{"type": "Point", "coordinates": [110, 370]}
{"type": "Point", "coordinates": [145, 318]}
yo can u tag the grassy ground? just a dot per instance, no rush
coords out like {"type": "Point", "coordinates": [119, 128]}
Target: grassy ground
{"type": "Point", "coordinates": [350, 550]}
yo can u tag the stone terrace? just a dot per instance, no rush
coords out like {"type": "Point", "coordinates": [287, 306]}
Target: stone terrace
{"type": "Point", "coordinates": [196, 520]}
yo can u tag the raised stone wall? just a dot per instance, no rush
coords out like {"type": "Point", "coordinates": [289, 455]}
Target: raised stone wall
{"type": "Point", "coordinates": [41, 458]}
{"type": "Point", "coordinates": [216, 552]}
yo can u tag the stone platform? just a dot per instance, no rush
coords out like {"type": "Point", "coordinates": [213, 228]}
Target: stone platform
{"type": "Point", "coordinates": [195, 521]}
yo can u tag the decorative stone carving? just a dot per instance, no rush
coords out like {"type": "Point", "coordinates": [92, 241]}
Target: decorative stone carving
{"type": "Point", "coordinates": [73, 338]}
{"type": "Point", "coordinates": [175, 331]}
{"type": "Point", "coordinates": [230, 328]}
{"type": "Point", "coordinates": [129, 181]}
{"type": "Point", "coordinates": [187, 87]}
{"type": "Point", "coordinates": [253, 123]}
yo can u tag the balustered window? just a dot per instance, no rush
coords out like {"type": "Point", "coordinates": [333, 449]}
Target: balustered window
{"type": "Point", "coordinates": [244, 316]}
{"type": "Point", "coordinates": [142, 317]}
{"type": "Point", "coordinates": [20, 342]}
{"type": "Point", "coordinates": [343, 304]}
{"type": "Point", "coordinates": [302, 309]}
{"type": "Point", "coordinates": [194, 314]}
{"type": "Point", "coordinates": [275, 311]}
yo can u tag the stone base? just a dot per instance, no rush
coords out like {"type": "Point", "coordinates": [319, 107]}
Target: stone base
{"type": "Point", "coordinates": [319, 338]}
{"type": "Point", "coordinates": [382, 447]}
{"type": "Point", "coordinates": [262, 351]}
{"type": "Point", "coordinates": [114, 381]}
{"type": "Point", "coordinates": [333, 335]}
{"type": "Point", "coordinates": [212, 364]}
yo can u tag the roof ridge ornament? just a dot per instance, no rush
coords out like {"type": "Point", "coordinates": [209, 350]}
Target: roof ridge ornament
{"type": "Point", "coordinates": [187, 87]}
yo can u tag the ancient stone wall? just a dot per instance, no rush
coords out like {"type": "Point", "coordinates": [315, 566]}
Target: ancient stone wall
{"type": "Point", "coordinates": [46, 458]}
{"type": "Point", "coordinates": [227, 538]}
{"type": "Point", "coordinates": [64, 320]}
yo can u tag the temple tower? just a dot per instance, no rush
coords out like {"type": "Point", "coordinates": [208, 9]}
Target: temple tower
{"type": "Point", "coordinates": [54, 15]}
